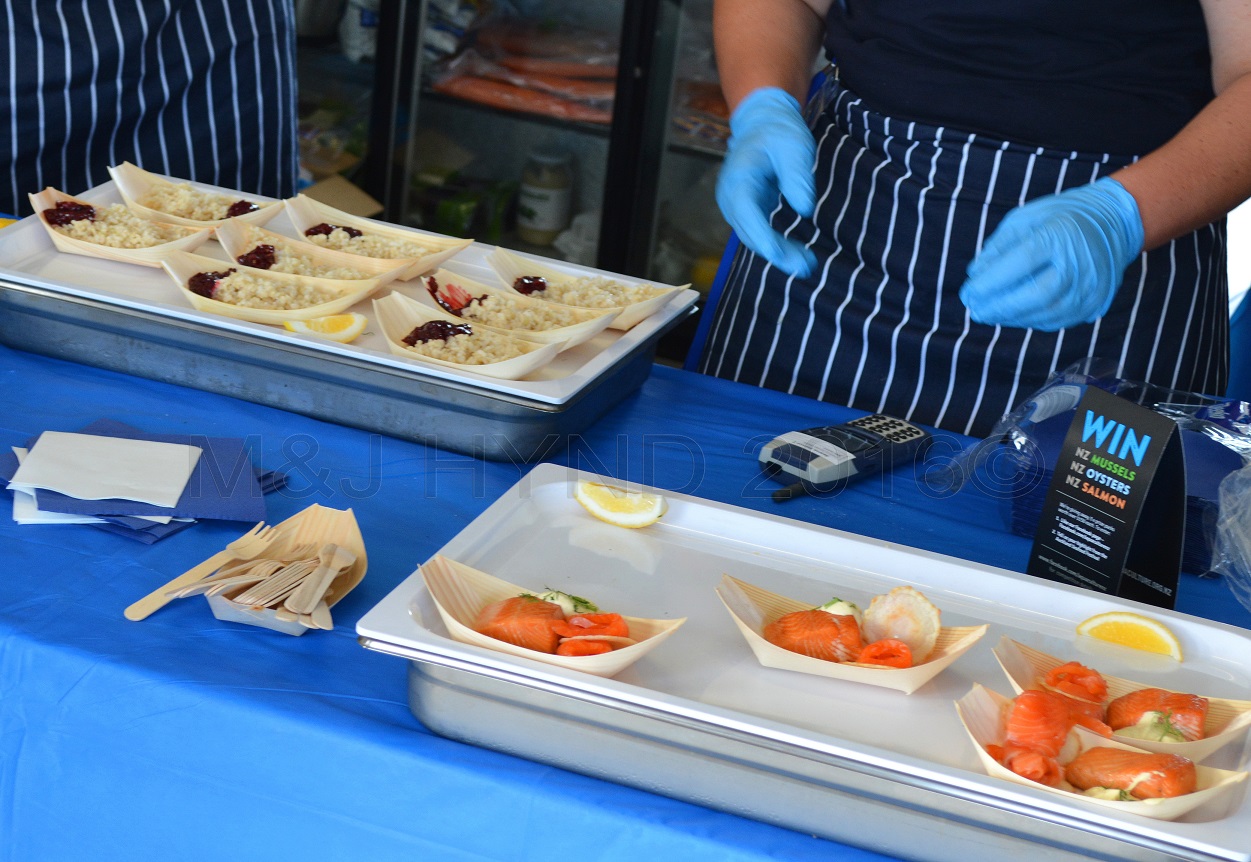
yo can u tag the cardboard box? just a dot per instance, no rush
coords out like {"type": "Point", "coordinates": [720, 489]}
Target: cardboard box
{"type": "Point", "coordinates": [340, 193]}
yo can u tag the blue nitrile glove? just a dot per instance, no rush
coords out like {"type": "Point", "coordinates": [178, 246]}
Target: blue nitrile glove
{"type": "Point", "coordinates": [1056, 261]}
{"type": "Point", "coordinates": [770, 150]}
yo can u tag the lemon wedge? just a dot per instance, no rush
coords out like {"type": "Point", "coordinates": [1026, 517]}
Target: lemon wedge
{"type": "Point", "coordinates": [1132, 630]}
{"type": "Point", "coordinates": [619, 506]}
{"type": "Point", "coordinates": [335, 327]}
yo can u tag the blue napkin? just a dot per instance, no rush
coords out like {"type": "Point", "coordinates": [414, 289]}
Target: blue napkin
{"type": "Point", "coordinates": [223, 486]}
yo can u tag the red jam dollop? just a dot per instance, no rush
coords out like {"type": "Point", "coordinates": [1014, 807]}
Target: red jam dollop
{"type": "Point", "coordinates": [68, 211]}
{"type": "Point", "coordinates": [205, 283]}
{"type": "Point", "coordinates": [239, 208]}
{"type": "Point", "coordinates": [529, 284]}
{"type": "Point", "coordinates": [325, 229]}
{"type": "Point", "coordinates": [440, 330]}
{"type": "Point", "coordinates": [262, 257]}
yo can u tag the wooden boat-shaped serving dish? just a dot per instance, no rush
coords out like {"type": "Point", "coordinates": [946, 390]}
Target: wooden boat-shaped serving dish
{"type": "Point", "coordinates": [306, 213]}
{"type": "Point", "coordinates": [190, 239]}
{"type": "Point", "coordinates": [399, 315]}
{"type": "Point", "coordinates": [181, 266]}
{"type": "Point", "coordinates": [586, 324]}
{"type": "Point", "coordinates": [135, 184]}
{"type": "Point", "coordinates": [753, 608]}
{"type": "Point", "coordinates": [461, 592]}
{"type": "Point", "coordinates": [510, 267]}
{"type": "Point", "coordinates": [1227, 720]}
{"type": "Point", "coordinates": [238, 238]}
{"type": "Point", "coordinates": [982, 713]}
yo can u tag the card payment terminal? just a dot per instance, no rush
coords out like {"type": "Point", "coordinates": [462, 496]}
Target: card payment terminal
{"type": "Point", "coordinates": [818, 459]}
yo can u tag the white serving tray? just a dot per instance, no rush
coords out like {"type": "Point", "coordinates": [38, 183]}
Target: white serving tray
{"type": "Point", "coordinates": [705, 676]}
{"type": "Point", "coordinates": [28, 256]}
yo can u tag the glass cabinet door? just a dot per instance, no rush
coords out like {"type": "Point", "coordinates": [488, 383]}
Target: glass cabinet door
{"type": "Point", "coordinates": [584, 131]}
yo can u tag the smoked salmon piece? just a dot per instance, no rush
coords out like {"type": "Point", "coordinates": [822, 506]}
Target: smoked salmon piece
{"type": "Point", "coordinates": [1033, 765]}
{"type": "Point", "coordinates": [499, 94]}
{"type": "Point", "coordinates": [1077, 680]}
{"type": "Point", "coordinates": [583, 646]}
{"type": "Point", "coordinates": [889, 652]}
{"type": "Point", "coordinates": [1179, 716]}
{"type": "Point", "coordinates": [816, 633]}
{"type": "Point", "coordinates": [582, 625]}
{"type": "Point", "coordinates": [1038, 721]}
{"type": "Point", "coordinates": [524, 621]}
{"type": "Point", "coordinates": [1143, 775]}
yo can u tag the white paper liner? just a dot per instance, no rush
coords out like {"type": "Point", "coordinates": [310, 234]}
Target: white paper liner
{"type": "Point", "coordinates": [753, 608]}
{"type": "Point", "coordinates": [150, 256]}
{"type": "Point", "coordinates": [398, 315]}
{"type": "Point", "coordinates": [982, 714]}
{"type": "Point", "coordinates": [511, 266]}
{"type": "Point", "coordinates": [305, 213]}
{"type": "Point", "coordinates": [590, 324]}
{"type": "Point", "coordinates": [461, 592]}
{"type": "Point", "coordinates": [235, 239]}
{"type": "Point", "coordinates": [182, 265]}
{"type": "Point", "coordinates": [1227, 720]}
{"type": "Point", "coordinates": [310, 528]}
{"type": "Point", "coordinates": [133, 184]}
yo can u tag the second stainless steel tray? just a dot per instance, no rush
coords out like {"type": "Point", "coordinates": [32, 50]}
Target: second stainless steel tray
{"type": "Point", "coordinates": [699, 719]}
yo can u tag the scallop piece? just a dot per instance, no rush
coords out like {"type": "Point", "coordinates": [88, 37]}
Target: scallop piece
{"type": "Point", "coordinates": [906, 615]}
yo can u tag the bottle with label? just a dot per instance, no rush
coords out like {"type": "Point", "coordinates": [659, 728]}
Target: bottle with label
{"type": "Point", "coordinates": [545, 196]}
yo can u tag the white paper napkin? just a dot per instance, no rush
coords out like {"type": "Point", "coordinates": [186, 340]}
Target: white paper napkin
{"type": "Point", "coordinates": [90, 467]}
{"type": "Point", "coordinates": [26, 508]}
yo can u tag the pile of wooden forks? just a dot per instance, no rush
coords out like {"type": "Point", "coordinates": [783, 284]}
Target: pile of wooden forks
{"type": "Point", "coordinates": [295, 586]}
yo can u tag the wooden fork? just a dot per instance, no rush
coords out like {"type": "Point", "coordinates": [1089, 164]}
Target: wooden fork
{"type": "Point", "coordinates": [247, 547]}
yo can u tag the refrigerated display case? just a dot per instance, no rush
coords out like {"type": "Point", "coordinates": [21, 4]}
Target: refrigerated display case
{"type": "Point", "coordinates": [462, 95]}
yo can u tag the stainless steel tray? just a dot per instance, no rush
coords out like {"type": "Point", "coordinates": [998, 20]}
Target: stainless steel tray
{"type": "Point", "coordinates": [699, 719]}
{"type": "Point", "coordinates": [131, 318]}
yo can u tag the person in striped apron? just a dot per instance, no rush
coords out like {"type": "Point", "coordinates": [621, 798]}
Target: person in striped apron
{"type": "Point", "coordinates": [982, 193]}
{"type": "Point", "coordinates": [200, 90]}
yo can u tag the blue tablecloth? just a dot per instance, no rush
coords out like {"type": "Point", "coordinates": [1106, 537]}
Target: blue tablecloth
{"type": "Point", "coordinates": [182, 737]}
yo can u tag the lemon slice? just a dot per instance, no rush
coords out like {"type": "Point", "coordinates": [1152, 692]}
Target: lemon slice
{"type": "Point", "coordinates": [619, 506]}
{"type": "Point", "coordinates": [1132, 630]}
{"type": "Point", "coordinates": [336, 327]}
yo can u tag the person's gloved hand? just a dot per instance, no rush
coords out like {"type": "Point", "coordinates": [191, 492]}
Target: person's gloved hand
{"type": "Point", "coordinates": [771, 149]}
{"type": "Point", "coordinates": [1056, 261]}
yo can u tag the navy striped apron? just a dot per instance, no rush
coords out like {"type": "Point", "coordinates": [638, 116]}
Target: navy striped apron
{"type": "Point", "coordinates": [196, 89]}
{"type": "Point", "coordinates": [902, 208]}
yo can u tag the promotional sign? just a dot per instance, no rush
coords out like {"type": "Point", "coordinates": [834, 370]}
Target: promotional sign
{"type": "Point", "coordinates": [1115, 513]}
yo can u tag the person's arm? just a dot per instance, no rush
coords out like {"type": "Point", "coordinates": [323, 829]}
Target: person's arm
{"type": "Point", "coordinates": [765, 52]}
{"type": "Point", "coordinates": [766, 43]}
{"type": "Point", "coordinates": [1205, 170]}
{"type": "Point", "coordinates": [1057, 261]}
